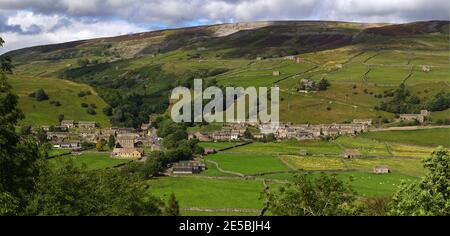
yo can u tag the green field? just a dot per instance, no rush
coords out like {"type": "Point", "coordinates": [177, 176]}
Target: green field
{"type": "Point", "coordinates": [219, 145]}
{"type": "Point", "coordinates": [248, 163]}
{"type": "Point", "coordinates": [289, 147]}
{"type": "Point", "coordinates": [209, 193]}
{"type": "Point", "coordinates": [424, 137]}
{"type": "Point", "coordinates": [365, 184]}
{"type": "Point", "coordinates": [92, 160]}
{"type": "Point", "coordinates": [66, 92]}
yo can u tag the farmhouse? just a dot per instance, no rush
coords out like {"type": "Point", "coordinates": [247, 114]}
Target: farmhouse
{"type": "Point", "coordinates": [208, 151]}
{"type": "Point", "coordinates": [417, 117]}
{"type": "Point", "coordinates": [289, 57]}
{"type": "Point", "coordinates": [276, 73]}
{"type": "Point", "coordinates": [351, 153]}
{"type": "Point", "coordinates": [225, 136]}
{"type": "Point", "coordinates": [126, 140]}
{"type": "Point", "coordinates": [188, 167]}
{"type": "Point", "coordinates": [381, 170]}
{"type": "Point", "coordinates": [145, 127]}
{"type": "Point", "coordinates": [426, 68]}
{"type": "Point", "coordinates": [57, 135]}
{"type": "Point", "coordinates": [68, 124]}
{"type": "Point", "coordinates": [88, 125]}
{"type": "Point", "coordinates": [128, 153]}
{"type": "Point", "coordinates": [201, 136]}
{"type": "Point", "coordinates": [303, 152]}
{"type": "Point", "coordinates": [71, 144]}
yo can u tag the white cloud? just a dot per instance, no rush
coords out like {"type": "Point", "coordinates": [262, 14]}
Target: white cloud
{"type": "Point", "coordinates": [62, 20]}
{"type": "Point", "coordinates": [54, 32]}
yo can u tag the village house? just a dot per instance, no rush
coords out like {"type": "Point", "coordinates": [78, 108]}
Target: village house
{"type": "Point", "coordinates": [415, 117]}
{"type": "Point", "coordinates": [351, 153]}
{"type": "Point", "coordinates": [208, 151]}
{"type": "Point", "coordinates": [126, 140]}
{"type": "Point", "coordinates": [201, 136]}
{"type": "Point", "coordinates": [68, 124]}
{"type": "Point", "coordinates": [88, 125]}
{"type": "Point", "coordinates": [225, 136]}
{"type": "Point", "coordinates": [128, 153]}
{"type": "Point", "coordinates": [381, 170]}
{"type": "Point", "coordinates": [303, 152]}
{"type": "Point", "coordinates": [307, 85]}
{"type": "Point", "coordinates": [57, 135]}
{"type": "Point", "coordinates": [145, 127]}
{"type": "Point", "coordinates": [331, 132]}
{"type": "Point", "coordinates": [367, 122]}
{"type": "Point", "coordinates": [188, 167]}
{"type": "Point", "coordinates": [68, 144]}
{"type": "Point", "coordinates": [45, 128]}
{"type": "Point", "coordinates": [289, 57]}
{"type": "Point", "coordinates": [426, 68]}
{"type": "Point", "coordinates": [124, 130]}
{"type": "Point", "coordinates": [258, 136]}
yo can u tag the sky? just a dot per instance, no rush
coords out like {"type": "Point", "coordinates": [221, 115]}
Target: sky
{"type": "Point", "coordinates": [25, 23]}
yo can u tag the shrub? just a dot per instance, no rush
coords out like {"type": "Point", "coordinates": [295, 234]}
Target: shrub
{"type": "Point", "coordinates": [40, 95]}
{"type": "Point", "coordinates": [91, 111]}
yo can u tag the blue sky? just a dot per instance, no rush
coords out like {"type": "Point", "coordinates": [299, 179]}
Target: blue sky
{"type": "Point", "coordinates": [26, 23]}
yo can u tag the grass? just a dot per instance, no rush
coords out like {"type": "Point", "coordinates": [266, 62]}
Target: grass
{"type": "Point", "coordinates": [365, 184]}
{"type": "Point", "coordinates": [209, 193]}
{"type": "Point", "coordinates": [218, 145]}
{"type": "Point", "coordinates": [424, 137]}
{"type": "Point", "coordinates": [289, 147]}
{"type": "Point", "coordinates": [248, 163]}
{"type": "Point", "coordinates": [314, 163]}
{"type": "Point", "coordinates": [57, 152]}
{"type": "Point", "coordinates": [92, 161]}
{"type": "Point", "coordinates": [66, 92]}
{"type": "Point", "coordinates": [366, 146]}
{"type": "Point", "coordinates": [410, 166]}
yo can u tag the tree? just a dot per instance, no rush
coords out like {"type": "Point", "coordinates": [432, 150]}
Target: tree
{"type": "Point", "coordinates": [19, 156]}
{"type": "Point", "coordinates": [323, 85]}
{"type": "Point", "coordinates": [40, 95]}
{"type": "Point", "coordinates": [100, 145]}
{"type": "Point", "coordinates": [25, 130]}
{"type": "Point", "coordinates": [309, 196]}
{"type": "Point", "coordinates": [65, 189]}
{"type": "Point", "coordinates": [248, 134]}
{"type": "Point", "coordinates": [429, 197]}
{"type": "Point", "coordinates": [108, 111]}
{"type": "Point", "coordinates": [111, 141]}
{"type": "Point", "coordinates": [172, 208]}
{"type": "Point", "coordinates": [60, 117]}
{"type": "Point", "coordinates": [152, 167]}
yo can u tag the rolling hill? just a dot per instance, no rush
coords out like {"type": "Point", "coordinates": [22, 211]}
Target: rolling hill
{"type": "Point", "coordinates": [363, 63]}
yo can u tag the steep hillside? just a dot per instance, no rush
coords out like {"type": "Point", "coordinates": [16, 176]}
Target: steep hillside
{"type": "Point", "coordinates": [364, 64]}
{"type": "Point", "coordinates": [66, 93]}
